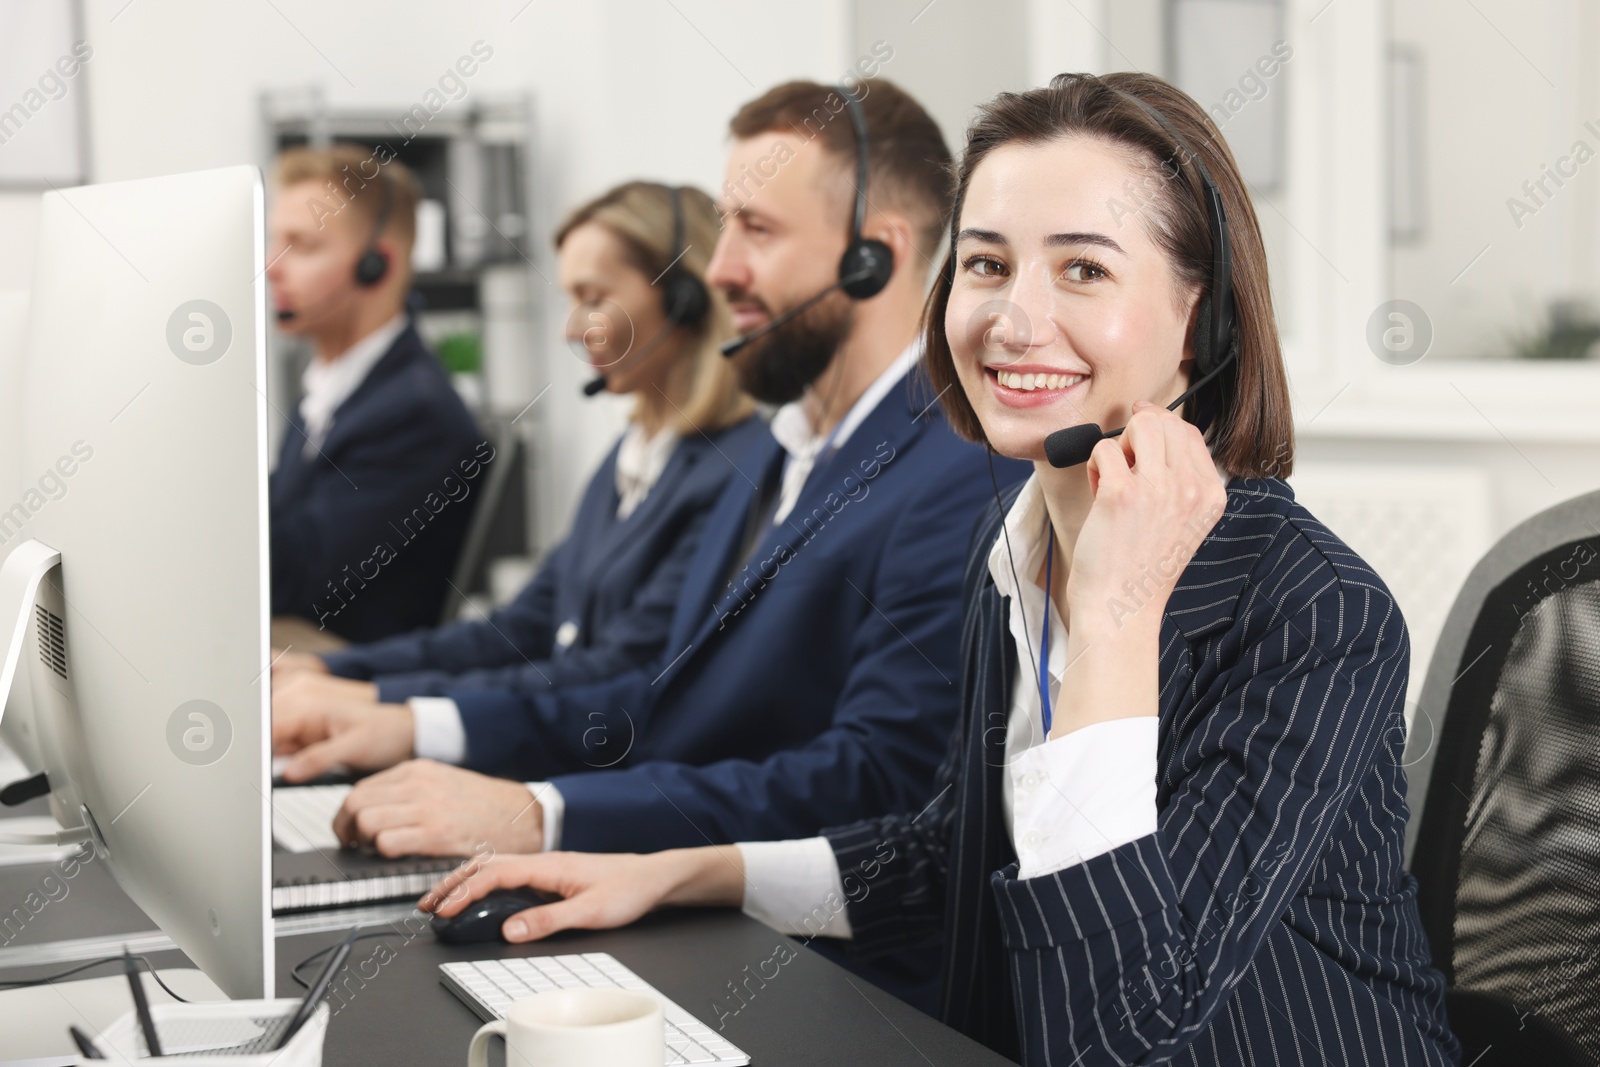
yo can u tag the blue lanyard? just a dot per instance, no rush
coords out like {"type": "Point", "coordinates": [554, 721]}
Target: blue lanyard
{"type": "Point", "coordinates": [1044, 641]}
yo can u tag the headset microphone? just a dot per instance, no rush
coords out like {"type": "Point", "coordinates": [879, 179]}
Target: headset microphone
{"type": "Point", "coordinates": [867, 264]}
{"type": "Point", "coordinates": [595, 386]}
{"type": "Point", "coordinates": [1072, 446]}
{"type": "Point", "coordinates": [1215, 343]}
{"type": "Point", "coordinates": [730, 347]}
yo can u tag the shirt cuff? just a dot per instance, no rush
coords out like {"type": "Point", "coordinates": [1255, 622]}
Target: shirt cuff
{"type": "Point", "coordinates": [1084, 794]}
{"type": "Point", "coordinates": [795, 888]}
{"type": "Point", "coordinates": [437, 732]}
{"type": "Point", "coordinates": [554, 806]}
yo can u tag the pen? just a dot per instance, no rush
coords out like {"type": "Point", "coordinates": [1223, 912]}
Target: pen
{"type": "Point", "coordinates": [85, 1046]}
{"type": "Point", "coordinates": [141, 1006]}
{"type": "Point", "coordinates": [320, 986]}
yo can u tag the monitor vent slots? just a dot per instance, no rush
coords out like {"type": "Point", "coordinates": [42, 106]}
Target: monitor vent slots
{"type": "Point", "coordinates": [52, 640]}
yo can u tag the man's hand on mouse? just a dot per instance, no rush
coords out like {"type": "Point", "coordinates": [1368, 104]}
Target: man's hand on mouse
{"type": "Point", "coordinates": [598, 891]}
{"type": "Point", "coordinates": [424, 808]}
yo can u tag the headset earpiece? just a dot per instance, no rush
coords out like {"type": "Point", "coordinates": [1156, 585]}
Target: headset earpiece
{"type": "Point", "coordinates": [1204, 356]}
{"type": "Point", "coordinates": [371, 268]}
{"type": "Point", "coordinates": [1207, 352]}
{"type": "Point", "coordinates": [865, 268]}
{"type": "Point", "coordinates": [684, 297]}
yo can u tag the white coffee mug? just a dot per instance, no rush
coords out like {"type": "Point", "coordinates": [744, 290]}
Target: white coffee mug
{"type": "Point", "coordinates": [577, 1028]}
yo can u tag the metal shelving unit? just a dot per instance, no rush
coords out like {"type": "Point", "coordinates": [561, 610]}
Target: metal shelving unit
{"type": "Point", "coordinates": [472, 158]}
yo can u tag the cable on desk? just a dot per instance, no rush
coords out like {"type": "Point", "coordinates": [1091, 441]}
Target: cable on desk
{"type": "Point", "coordinates": [25, 983]}
{"type": "Point", "coordinates": [294, 972]}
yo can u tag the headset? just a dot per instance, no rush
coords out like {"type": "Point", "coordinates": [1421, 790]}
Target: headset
{"type": "Point", "coordinates": [373, 266]}
{"type": "Point", "coordinates": [867, 264]}
{"type": "Point", "coordinates": [685, 300]}
{"type": "Point", "coordinates": [1215, 342]}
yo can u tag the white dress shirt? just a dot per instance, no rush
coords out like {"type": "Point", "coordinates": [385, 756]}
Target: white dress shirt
{"type": "Point", "coordinates": [1065, 800]}
{"type": "Point", "coordinates": [329, 383]}
{"type": "Point", "coordinates": [792, 429]}
{"type": "Point", "coordinates": [640, 460]}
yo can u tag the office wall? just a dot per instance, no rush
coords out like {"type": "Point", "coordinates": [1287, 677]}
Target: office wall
{"type": "Point", "coordinates": [1531, 90]}
{"type": "Point", "coordinates": [950, 60]}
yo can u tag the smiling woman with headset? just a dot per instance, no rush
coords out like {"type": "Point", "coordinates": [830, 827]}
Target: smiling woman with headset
{"type": "Point", "coordinates": [1170, 826]}
{"type": "Point", "coordinates": [1176, 820]}
{"type": "Point", "coordinates": [631, 262]}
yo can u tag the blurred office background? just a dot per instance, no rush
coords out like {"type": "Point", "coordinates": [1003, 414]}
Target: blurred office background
{"type": "Point", "coordinates": [1423, 171]}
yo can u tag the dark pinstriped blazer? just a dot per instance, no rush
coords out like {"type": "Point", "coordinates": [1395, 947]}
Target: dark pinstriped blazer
{"type": "Point", "coordinates": [1269, 919]}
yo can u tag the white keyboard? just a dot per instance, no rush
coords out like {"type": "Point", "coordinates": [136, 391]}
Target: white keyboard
{"type": "Point", "coordinates": [302, 817]}
{"type": "Point", "coordinates": [489, 986]}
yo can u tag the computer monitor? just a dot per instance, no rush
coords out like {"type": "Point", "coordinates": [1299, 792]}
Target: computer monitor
{"type": "Point", "coordinates": [144, 465]}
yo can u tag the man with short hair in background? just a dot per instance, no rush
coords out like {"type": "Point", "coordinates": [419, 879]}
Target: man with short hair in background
{"type": "Point", "coordinates": [375, 482]}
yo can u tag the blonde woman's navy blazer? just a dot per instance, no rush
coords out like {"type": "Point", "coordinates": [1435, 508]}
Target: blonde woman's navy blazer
{"type": "Point", "coordinates": [602, 601]}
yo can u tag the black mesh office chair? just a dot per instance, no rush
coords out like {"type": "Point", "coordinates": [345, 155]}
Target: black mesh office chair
{"type": "Point", "coordinates": [498, 526]}
{"type": "Point", "coordinates": [1504, 760]}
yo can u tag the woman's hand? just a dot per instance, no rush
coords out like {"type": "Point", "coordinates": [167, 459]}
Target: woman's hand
{"type": "Point", "coordinates": [598, 891]}
{"type": "Point", "coordinates": [1156, 496]}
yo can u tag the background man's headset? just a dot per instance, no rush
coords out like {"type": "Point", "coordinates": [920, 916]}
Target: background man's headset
{"type": "Point", "coordinates": [372, 266]}
{"type": "Point", "coordinates": [1215, 343]}
{"type": "Point", "coordinates": [867, 263]}
{"type": "Point", "coordinates": [685, 300]}
{"type": "Point", "coordinates": [1213, 334]}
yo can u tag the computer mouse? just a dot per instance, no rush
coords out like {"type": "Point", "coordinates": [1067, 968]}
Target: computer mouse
{"type": "Point", "coordinates": [481, 920]}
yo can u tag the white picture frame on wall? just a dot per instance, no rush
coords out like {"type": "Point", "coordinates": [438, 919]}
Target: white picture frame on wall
{"type": "Point", "coordinates": [44, 59]}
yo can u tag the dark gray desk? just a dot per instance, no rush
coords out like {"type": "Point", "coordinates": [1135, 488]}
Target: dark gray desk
{"type": "Point", "coordinates": [812, 1012]}
{"type": "Point", "coordinates": [392, 1009]}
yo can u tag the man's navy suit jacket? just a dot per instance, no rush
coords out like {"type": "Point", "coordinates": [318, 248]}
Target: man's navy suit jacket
{"type": "Point", "coordinates": [813, 683]}
{"type": "Point", "coordinates": [365, 530]}
{"type": "Point", "coordinates": [614, 583]}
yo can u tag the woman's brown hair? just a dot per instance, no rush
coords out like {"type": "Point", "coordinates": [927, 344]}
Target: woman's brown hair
{"type": "Point", "coordinates": [1251, 429]}
{"type": "Point", "coordinates": [640, 215]}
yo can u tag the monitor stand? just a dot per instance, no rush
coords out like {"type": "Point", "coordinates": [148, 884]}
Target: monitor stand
{"type": "Point", "coordinates": [24, 568]}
